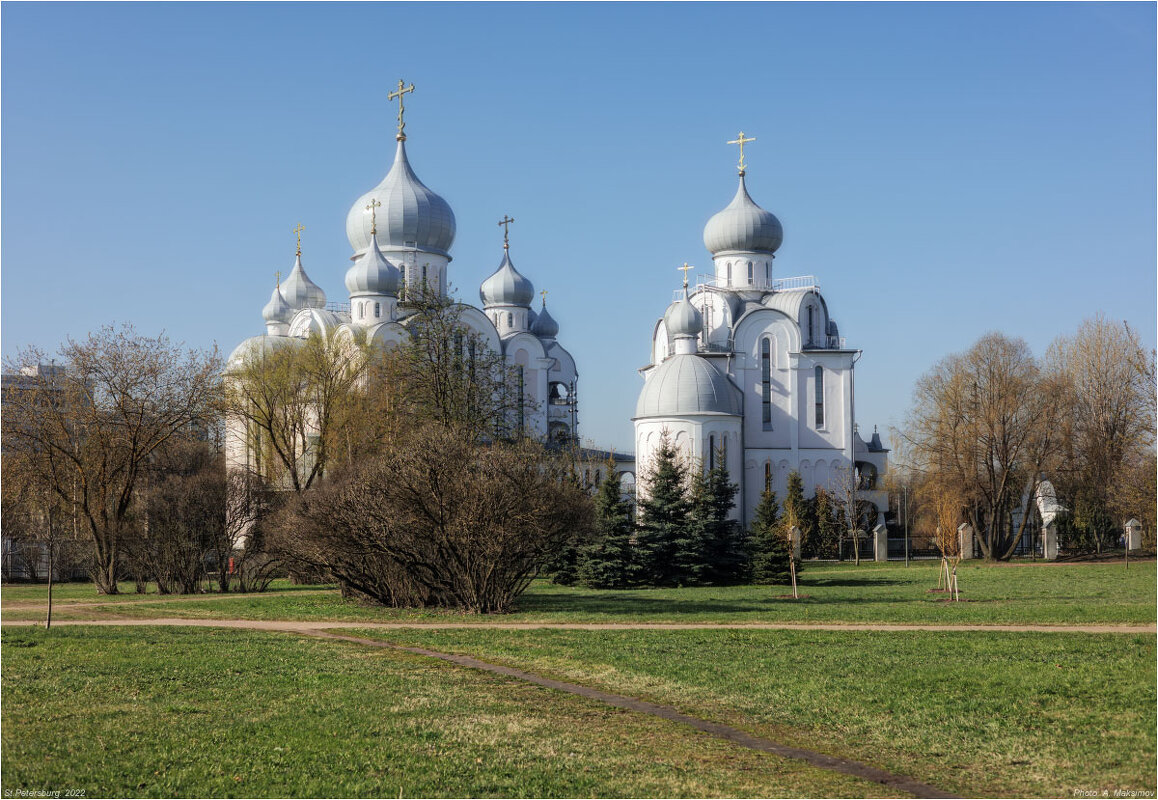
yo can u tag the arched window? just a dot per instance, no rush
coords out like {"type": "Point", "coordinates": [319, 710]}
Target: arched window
{"type": "Point", "coordinates": [724, 451]}
{"type": "Point", "coordinates": [766, 382]}
{"type": "Point", "coordinates": [767, 476]}
{"type": "Point", "coordinates": [377, 310]}
{"type": "Point", "coordinates": [810, 325]}
{"type": "Point", "coordinates": [767, 274]}
{"type": "Point", "coordinates": [522, 403]}
{"type": "Point", "coordinates": [749, 272]}
{"type": "Point", "coordinates": [818, 382]}
{"type": "Point", "coordinates": [361, 310]}
{"type": "Point", "coordinates": [510, 320]}
{"type": "Point", "coordinates": [424, 266]}
{"type": "Point", "coordinates": [712, 451]}
{"type": "Point", "coordinates": [728, 275]}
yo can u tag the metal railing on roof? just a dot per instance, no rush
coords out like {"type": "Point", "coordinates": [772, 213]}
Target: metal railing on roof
{"type": "Point", "coordinates": [712, 283]}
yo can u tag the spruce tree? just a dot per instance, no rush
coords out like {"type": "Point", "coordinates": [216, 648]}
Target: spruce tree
{"type": "Point", "coordinates": [770, 551]}
{"type": "Point", "coordinates": [610, 561]}
{"type": "Point", "coordinates": [720, 552]}
{"type": "Point", "coordinates": [663, 516]}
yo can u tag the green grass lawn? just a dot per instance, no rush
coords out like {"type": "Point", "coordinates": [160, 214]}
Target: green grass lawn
{"type": "Point", "coordinates": [1057, 594]}
{"type": "Point", "coordinates": [977, 713]}
{"type": "Point", "coordinates": [214, 713]}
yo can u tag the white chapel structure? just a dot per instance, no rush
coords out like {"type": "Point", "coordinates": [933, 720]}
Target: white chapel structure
{"type": "Point", "coordinates": [401, 234]}
{"type": "Point", "coordinates": [750, 368]}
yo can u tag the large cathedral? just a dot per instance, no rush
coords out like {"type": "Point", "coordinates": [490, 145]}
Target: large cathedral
{"type": "Point", "coordinates": [401, 234]}
{"type": "Point", "coordinates": [751, 369]}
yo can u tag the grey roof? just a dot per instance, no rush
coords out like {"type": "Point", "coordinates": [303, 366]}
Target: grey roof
{"type": "Point", "coordinates": [544, 325]}
{"type": "Point", "coordinates": [258, 345]}
{"type": "Point", "coordinates": [277, 309]}
{"type": "Point", "coordinates": [682, 318]}
{"type": "Point", "coordinates": [789, 301]}
{"type": "Point", "coordinates": [743, 226]}
{"type": "Point", "coordinates": [371, 273]}
{"type": "Point", "coordinates": [299, 291]}
{"type": "Point", "coordinates": [687, 384]}
{"type": "Point", "coordinates": [506, 287]}
{"type": "Point", "coordinates": [411, 215]}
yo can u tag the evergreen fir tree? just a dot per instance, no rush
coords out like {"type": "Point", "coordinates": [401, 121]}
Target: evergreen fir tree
{"type": "Point", "coordinates": [663, 516]}
{"type": "Point", "coordinates": [770, 551]}
{"type": "Point", "coordinates": [720, 552]}
{"type": "Point", "coordinates": [610, 560]}
{"type": "Point", "coordinates": [824, 535]}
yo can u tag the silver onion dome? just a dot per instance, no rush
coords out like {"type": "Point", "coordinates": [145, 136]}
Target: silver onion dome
{"type": "Point", "coordinates": [410, 215]}
{"type": "Point", "coordinates": [682, 318]}
{"type": "Point", "coordinates": [743, 226]}
{"type": "Point", "coordinates": [277, 309]}
{"type": "Point", "coordinates": [299, 291]}
{"type": "Point", "coordinates": [371, 273]}
{"type": "Point", "coordinates": [506, 287]}
{"type": "Point", "coordinates": [687, 384]}
{"type": "Point", "coordinates": [544, 326]}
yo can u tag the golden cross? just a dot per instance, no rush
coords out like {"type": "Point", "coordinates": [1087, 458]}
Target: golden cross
{"type": "Point", "coordinates": [402, 90]}
{"type": "Point", "coordinates": [373, 217]}
{"type": "Point", "coordinates": [543, 294]}
{"type": "Point", "coordinates": [685, 269]}
{"type": "Point", "coordinates": [742, 141]}
{"type": "Point", "coordinates": [278, 274]}
{"type": "Point", "coordinates": [298, 230]}
{"type": "Point", "coordinates": [505, 223]}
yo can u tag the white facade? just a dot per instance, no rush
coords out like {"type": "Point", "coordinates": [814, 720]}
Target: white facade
{"type": "Point", "coordinates": [789, 405]}
{"type": "Point", "coordinates": [401, 233]}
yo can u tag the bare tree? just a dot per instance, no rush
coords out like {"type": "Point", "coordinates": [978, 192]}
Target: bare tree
{"type": "Point", "coordinates": [1108, 426]}
{"type": "Point", "coordinates": [986, 421]}
{"type": "Point", "coordinates": [89, 431]}
{"type": "Point", "coordinates": [438, 519]}
{"type": "Point", "coordinates": [288, 400]}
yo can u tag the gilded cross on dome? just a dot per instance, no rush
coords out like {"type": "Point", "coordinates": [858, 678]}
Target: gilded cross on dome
{"type": "Point", "coordinates": [742, 141]}
{"type": "Point", "coordinates": [402, 90]}
{"type": "Point", "coordinates": [685, 269]}
{"type": "Point", "coordinates": [543, 294]}
{"type": "Point", "coordinates": [374, 204]}
{"type": "Point", "coordinates": [298, 230]}
{"type": "Point", "coordinates": [505, 224]}
{"type": "Point", "coordinates": [278, 274]}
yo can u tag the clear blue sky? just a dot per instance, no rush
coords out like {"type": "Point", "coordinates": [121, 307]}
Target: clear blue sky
{"type": "Point", "coordinates": [943, 169]}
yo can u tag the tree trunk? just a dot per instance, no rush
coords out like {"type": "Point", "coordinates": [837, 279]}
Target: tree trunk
{"type": "Point", "coordinates": [48, 616]}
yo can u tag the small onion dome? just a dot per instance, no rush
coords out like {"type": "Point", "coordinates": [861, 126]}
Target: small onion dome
{"type": "Point", "coordinates": [687, 384]}
{"type": "Point", "coordinates": [682, 318]}
{"type": "Point", "coordinates": [410, 214]}
{"type": "Point", "coordinates": [299, 291]}
{"type": "Point", "coordinates": [371, 273]}
{"type": "Point", "coordinates": [545, 326]}
{"type": "Point", "coordinates": [506, 287]}
{"type": "Point", "coordinates": [277, 309]}
{"type": "Point", "coordinates": [743, 226]}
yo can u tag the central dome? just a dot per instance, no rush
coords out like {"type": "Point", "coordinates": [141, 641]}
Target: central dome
{"type": "Point", "coordinates": [743, 227]}
{"type": "Point", "coordinates": [410, 215]}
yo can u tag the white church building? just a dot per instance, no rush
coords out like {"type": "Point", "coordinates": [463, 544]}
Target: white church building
{"type": "Point", "coordinates": [401, 234]}
{"type": "Point", "coordinates": [752, 369]}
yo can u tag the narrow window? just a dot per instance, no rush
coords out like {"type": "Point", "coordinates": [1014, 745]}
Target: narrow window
{"type": "Point", "coordinates": [728, 275]}
{"type": "Point", "coordinates": [712, 451]}
{"type": "Point", "coordinates": [767, 476]}
{"type": "Point", "coordinates": [766, 382]}
{"type": "Point", "coordinates": [810, 323]}
{"type": "Point", "coordinates": [749, 272]}
{"type": "Point", "coordinates": [361, 310]}
{"type": "Point", "coordinates": [819, 389]}
{"type": "Point", "coordinates": [510, 320]}
{"type": "Point", "coordinates": [767, 274]}
{"type": "Point", "coordinates": [724, 452]}
{"type": "Point", "coordinates": [424, 266]}
{"type": "Point", "coordinates": [598, 477]}
{"type": "Point", "coordinates": [377, 310]}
